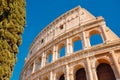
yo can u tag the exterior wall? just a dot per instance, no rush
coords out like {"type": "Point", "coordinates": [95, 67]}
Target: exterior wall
{"type": "Point", "coordinates": [75, 24]}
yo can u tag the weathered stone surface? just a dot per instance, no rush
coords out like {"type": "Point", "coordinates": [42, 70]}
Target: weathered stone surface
{"type": "Point", "coordinates": [76, 24]}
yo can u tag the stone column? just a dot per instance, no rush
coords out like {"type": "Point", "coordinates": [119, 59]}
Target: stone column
{"type": "Point", "coordinates": [93, 67]}
{"type": "Point", "coordinates": [69, 46]}
{"type": "Point", "coordinates": [54, 76]}
{"type": "Point", "coordinates": [72, 74]}
{"type": "Point", "coordinates": [85, 40]}
{"type": "Point", "coordinates": [94, 73]}
{"type": "Point", "coordinates": [43, 60]}
{"type": "Point", "coordinates": [51, 75]}
{"type": "Point", "coordinates": [105, 36]}
{"type": "Point", "coordinates": [55, 52]}
{"type": "Point", "coordinates": [42, 64]}
{"type": "Point", "coordinates": [90, 77]}
{"type": "Point", "coordinates": [33, 67]}
{"type": "Point", "coordinates": [117, 67]}
{"type": "Point", "coordinates": [67, 76]}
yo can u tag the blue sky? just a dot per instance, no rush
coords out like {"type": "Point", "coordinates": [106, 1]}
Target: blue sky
{"type": "Point", "coordinates": [41, 12]}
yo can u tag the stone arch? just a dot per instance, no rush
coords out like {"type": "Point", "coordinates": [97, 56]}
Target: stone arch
{"type": "Point", "coordinates": [80, 68]}
{"type": "Point", "coordinates": [59, 73]}
{"type": "Point", "coordinates": [61, 50]}
{"type": "Point", "coordinates": [45, 77]}
{"type": "Point", "coordinates": [80, 72]}
{"type": "Point", "coordinates": [49, 56]}
{"type": "Point", "coordinates": [97, 61]}
{"type": "Point", "coordinates": [94, 31]}
{"type": "Point", "coordinates": [97, 37]}
{"type": "Point", "coordinates": [77, 43]}
{"type": "Point", "coordinates": [62, 77]}
{"type": "Point", "coordinates": [105, 72]}
{"type": "Point", "coordinates": [77, 67]}
{"type": "Point", "coordinates": [106, 63]}
{"type": "Point", "coordinates": [38, 62]}
{"type": "Point", "coordinates": [102, 60]}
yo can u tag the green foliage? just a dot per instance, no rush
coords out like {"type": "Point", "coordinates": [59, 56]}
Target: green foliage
{"type": "Point", "coordinates": [12, 21]}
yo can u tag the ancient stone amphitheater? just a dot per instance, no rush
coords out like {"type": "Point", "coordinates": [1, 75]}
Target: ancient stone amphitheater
{"type": "Point", "coordinates": [47, 60]}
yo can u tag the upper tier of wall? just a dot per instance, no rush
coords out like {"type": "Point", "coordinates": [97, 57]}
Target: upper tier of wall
{"type": "Point", "coordinates": [61, 25]}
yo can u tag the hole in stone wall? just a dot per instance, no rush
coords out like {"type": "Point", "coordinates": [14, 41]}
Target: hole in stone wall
{"type": "Point", "coordinates": [61, 27]}
{"type": "Point", "coordinates": [42, 40]}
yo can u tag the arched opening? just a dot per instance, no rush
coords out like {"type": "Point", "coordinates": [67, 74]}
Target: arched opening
{"type": "Point", "coordinates": [62, 51]}
{"type": "Point", "coordinates": [105, 72]}
{"type": "Point", "coordinates": [37, 63]}
{"type": "Point", "coordinates": [81, 74]}
{"type": "Point", "coordinates": [77, 45]}
{"type": "Point", "coordinates": [30, 70]}
{"type": "Point", "coordinates": [95, 39]}
{"type": "Point", "coordinates": [49, 60]}
{"type": "Point", "coordinates": [62, 77]}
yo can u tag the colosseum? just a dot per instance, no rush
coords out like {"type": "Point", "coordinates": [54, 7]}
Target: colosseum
{"type": "Point", "coordinates": [52, 55]}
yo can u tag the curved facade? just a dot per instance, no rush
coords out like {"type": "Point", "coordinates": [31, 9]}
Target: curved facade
{"type": "Point", "coordinates": [52, 55]}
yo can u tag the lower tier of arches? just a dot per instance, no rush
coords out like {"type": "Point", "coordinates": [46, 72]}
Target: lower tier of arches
{"type": "Point", "coordinates": [104, 66]}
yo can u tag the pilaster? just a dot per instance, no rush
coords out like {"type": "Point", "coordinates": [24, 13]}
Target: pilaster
{"type": "Point", "coordinates": [51, 75]}
{"type": "Point", "coordinates": [85, 40]}
{"type": "Point", "coordinates": [69, 46]}
{"type": "Point", "coordinates": [90, 76]}
{"type": "Point", "coordinates": [67, 77]}
{"type": "Point", "coordinates": [94, 73]}
{"type": "Point", "coordinates": [54, 53]}
{"type": "Point", "coordinates": [117, 67]}
{"type": "Point", "coordinates": [104, 33]}
{"type": "Point", "coordinates": [93, 68]}
{"type": "Point", "coordinates": [71, 74]}
{"type": "Point", "coordinates": [43, 60]}
{"type": "Point", "coordinates": [33, 67]}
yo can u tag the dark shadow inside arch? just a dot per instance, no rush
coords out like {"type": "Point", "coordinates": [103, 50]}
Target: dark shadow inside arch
{"type": "Point", "coordinates": [77, 45]}
{"type": "Point", "coordinates": [46, 79]}
{"type": "Point", "coordinates": [95, 39]}
{"type": "Point", "coordinates": [105, 72]}
{"type": "Point", "coordinates": [62, 77]}
{"type": "Point", "coordinates": [62, 51]}
{"type": "Point", "coordinates": [81, 74]}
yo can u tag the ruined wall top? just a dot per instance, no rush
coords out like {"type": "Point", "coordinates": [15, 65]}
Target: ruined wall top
{"type": "Point", "coordinates": [61, 24]}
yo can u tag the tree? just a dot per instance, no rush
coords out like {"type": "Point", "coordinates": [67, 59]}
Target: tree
{"type": "Point", "coordinates": [12, 22]}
